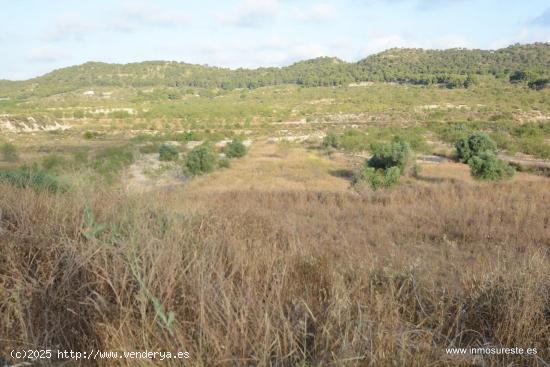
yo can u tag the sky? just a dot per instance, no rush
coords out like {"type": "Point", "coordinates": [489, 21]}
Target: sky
{"type": "Point", "coordinates": [37, 36]}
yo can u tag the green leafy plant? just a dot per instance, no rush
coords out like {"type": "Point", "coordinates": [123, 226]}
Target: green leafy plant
{"type": "Point", "coordinates": [474, 145]}
{"type": "Point", "coordinates": [235, 149]}
{"type": "Point", "coordinates": [331, 140]}
{"type": "Point", "coordinates": [202, 159]}
{"type": "Point", "coordinates": [487, 166]}
{"type": "Point", "coordinates": [32, 178]}
{"type": "Point", "coordinates": [92, 229]}
{"type": "Point", "coordinates": [168, 153]}
{"type": "Point", "coordinates": [378, 178]}
{"type": "Point", "coordinates": [394, 155]}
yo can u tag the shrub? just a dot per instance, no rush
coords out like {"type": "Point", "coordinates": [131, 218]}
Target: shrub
{"type": "Point", "coordinates": [487, 166]}
{"type": "Point", "coordinates": [168, 153]}
{"type": "Point", "coordinates": [30, 178]}
{"type": "Point", "coordinates": [474, 145]}
{"type": "Point", "coordinates": [378, 178]}
{"type": "Point", "coordinates": [88, 135]}
{"type": "Point", "coordinates": [394, 155]}
{"type": "Point", "coordinates": [331, 140]}
{"type": "Point", "coordinates": [235, 149]}
{"type": "Point", "coordinates": [9, 152]}
{"type": "Point", "coordinates": [202, 159]}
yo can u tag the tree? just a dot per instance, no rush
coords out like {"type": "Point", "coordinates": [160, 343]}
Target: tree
{"type": "Point", "coordinates": [201, 159]}
{"type": "Point", "coordinates": [487, 166]}
{"type": "Point", "coordinates": [395, 155]}
{"type": "Point", "coordinates": [474, 145]}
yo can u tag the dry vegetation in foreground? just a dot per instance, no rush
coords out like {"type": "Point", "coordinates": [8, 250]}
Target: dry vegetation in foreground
{"type": "Point", "coordinates": [280, 278]}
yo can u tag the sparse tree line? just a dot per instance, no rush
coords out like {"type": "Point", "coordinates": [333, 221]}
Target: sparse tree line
{"type": "Point", "coordinates": [391, 161]}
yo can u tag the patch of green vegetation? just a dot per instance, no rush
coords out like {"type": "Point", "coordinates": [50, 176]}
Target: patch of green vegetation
{"type": "Point", "coordinates": [202, 159]}
{"type": "Point", "coordinates": [38, 180]}
{"type": "Point", "coordinates": [331, 140]}
{"type": "Point", "coordinates": [9, 152]}
{"type": "Point", "coordinates": [385, 167]}
{"type": "Point", "coordinates": [486, 166]}
{"type": "Point", "coordinates": [53, 162]}
{"type": "Point", "coordinates": [168, 153]}
{"type": "Point", "coordinates": [474, 145]}
{"type": "Point", "coordinates": [394, 155]}
{"type": "Point", "coordinates": [235, 149]}
{"type": "Point", "coordinates": [354, 141]}
{"type": "Point", "coordinates": [378, 178]}
{"type": "Point", "coordinates": [110, 161]}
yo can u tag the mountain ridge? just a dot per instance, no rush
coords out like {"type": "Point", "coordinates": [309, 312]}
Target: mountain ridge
{"type": "Point", "coordinates": [404, 65]}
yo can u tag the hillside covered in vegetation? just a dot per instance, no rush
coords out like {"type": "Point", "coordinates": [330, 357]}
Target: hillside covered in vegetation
{"type": "Point", "coordinates": [451, 68]}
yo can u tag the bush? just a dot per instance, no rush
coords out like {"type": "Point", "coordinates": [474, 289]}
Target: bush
{"type": "Point", "coordinates": [395, 155]}
{"type": "Point", "coordinates": [168, 153]}
{"type": "Point", "coordinates": [89, 135]}
{"type": "Point", "coordinates": [331, 140]}
{"type": "Point", "coordinates": [9, 152]}
{"type": "Point", "coordinates": [487, 166]}
{"type": "Point", "coordinates": [474, 145]}
{"type": "Point", "coordinates": [378, 178]}
{"type": "Point", "coordinates": [235, 149]}
{"type": "Point", "coordinates": [30, 178]}
{"type": "Point", "coordinates": [202, 159]}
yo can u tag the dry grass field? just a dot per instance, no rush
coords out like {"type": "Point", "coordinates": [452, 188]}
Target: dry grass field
{"type": "Point", "coordinates": [276, 262]}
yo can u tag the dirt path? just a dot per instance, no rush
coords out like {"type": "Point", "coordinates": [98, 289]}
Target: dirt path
{"type": "Point", "coordinates": [526, 160]}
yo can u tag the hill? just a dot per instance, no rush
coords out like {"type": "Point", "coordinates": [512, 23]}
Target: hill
{"type": "Point", "coordinates": [452, 67]}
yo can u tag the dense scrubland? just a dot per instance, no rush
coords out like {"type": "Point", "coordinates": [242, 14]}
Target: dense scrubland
{"type": "Point", "coordinates": [326, 213]}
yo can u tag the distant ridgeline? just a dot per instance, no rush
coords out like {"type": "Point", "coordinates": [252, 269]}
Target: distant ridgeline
{"type": "Point", "coordinates": [453, 68]}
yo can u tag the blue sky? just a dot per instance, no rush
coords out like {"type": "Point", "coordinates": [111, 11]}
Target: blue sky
{"type": "Point", "coordinates": [37, 36]}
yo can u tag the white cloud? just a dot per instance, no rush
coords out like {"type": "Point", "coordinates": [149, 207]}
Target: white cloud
{"type": "Point", "coordinates": [252, 13]}
{"type": "Point", "coordinates": [69, 26]}
{"type": "Point", "coordinates": [46, 54]}
{"type": "Point", "coordinates": [317, 13]}
{"type": "Point", "coordinates": [275, 51]}
{"type": "Point", "coordinates": [139, 14]}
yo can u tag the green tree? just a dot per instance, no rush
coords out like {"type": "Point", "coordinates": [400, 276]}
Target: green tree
{"type": "Point", "coordinates": [394, 155]}
{"type": "Point", "coordinates": [202, 159]}
{"type": "Point", "coordinates": [474, 145]}
{"type": "Point", "coordinates": [487, 166]}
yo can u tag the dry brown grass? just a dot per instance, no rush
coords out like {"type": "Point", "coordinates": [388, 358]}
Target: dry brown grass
{"type": "Point", "coordinates": [282, 278]}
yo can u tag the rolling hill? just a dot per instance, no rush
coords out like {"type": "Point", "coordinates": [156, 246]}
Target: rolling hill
{"type": "Point", "coordinates": [452, 67]}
